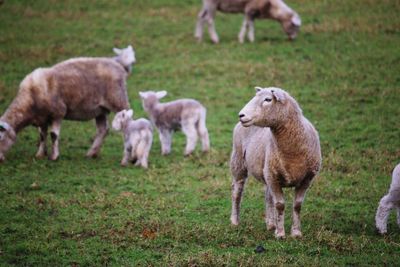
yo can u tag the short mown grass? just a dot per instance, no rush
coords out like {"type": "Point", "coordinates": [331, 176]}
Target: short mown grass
{"type": "Point", "coordinates": [343, 70]}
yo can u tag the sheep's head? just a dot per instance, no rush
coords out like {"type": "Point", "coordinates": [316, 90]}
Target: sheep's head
{"type": "Point", "coordinates": [126, 56]}
{"type": "Point", "coordinates": [7, 138]}
{"type": "Point", "coordinates": [121, 118]}
{"type": "Point", "coordinates": [292, 25]}
{"type": "Point", "coordinates": [265, 109]}
{"type": "Point", "coordinates": [150, 98]}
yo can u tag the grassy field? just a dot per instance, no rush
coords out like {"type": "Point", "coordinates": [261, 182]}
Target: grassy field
{"type": "Point", "coordinates": [343, 69]}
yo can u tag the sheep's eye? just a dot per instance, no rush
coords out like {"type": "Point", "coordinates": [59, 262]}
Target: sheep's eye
{"type": "Point", "coordinates": [268, 99]}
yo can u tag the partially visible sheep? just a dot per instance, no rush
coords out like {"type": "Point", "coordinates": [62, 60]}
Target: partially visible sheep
{"type": "Point", "coordinates": [277, 145]}
{"type": "Point", "coordinates": [187, 114]}
{"type": "Point", "coordinates": [138, 137]}
{"type": "Point", "coordinates": [77, 89]}
{"type": "Point", "coordinates": [388, 202]}
{"type": "Point", "coordinates": [252, 9]}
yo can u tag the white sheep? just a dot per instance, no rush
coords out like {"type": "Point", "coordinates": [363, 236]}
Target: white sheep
{"type": "Point", "coordinates": [138, 137]}
{"type": "Point", "coordinates": [388, 202]}
{"type": "Point", "coordinates": [186, 114]}
{"type": "Point", "coordinates": [277, 145]}
{"type": "Point", "coordinates": [77, 89]}
{"type": "Point", "coordinates": [252, 9]}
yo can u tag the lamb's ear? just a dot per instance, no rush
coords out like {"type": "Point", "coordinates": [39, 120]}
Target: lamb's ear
{"type": "Point", "coordinates": [161, 94]}
{"type": "Point", "coordinates": [142, 95]}
{"type": "Point", "coordinates": [4, 126]}
{"type": "Point", "coordinates": [278, 95]}
{"type": "Point", "coordinates": [130, 47]}
{"type": "Point", "coordinates": [117, 51]}
{"type": "Point", "coordinates": [258, 89]}
{"type": "Point", "coordinates": [129, 113]}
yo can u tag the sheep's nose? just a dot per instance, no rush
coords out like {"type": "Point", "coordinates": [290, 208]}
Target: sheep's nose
{"type": "Point", "coordinates": [241, 115]}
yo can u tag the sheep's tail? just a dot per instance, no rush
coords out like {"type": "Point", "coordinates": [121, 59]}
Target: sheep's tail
{"type": "Point", "coordinates": [202, 130]}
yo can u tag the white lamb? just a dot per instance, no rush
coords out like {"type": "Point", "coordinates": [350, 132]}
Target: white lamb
{"type": "Point", "coordinates": [277, 145]}
{"type": "Point", "coordinates": [388, 202]}
{"type": "Point", "coordinates": [187, 114]}
{"type": "Point", "coordinates": [138, 137]}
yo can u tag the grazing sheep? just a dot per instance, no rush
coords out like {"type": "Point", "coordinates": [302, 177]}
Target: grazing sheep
{"type": "Point", "coordinates": [277, 145]}
{"type": "Point", "coordinates": [388, 202]}
{"type": "Point", "coordinates": [138, 137]}
{"type": "Point", "coordinates": [252, 9]}
{"type": "Point", "coordinates": [187, 114]}
{"type": "Point", "coordinates": [77, 89]}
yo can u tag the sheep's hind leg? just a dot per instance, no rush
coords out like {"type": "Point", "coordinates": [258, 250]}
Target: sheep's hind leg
{"type": "Point", "coordinates": [250, 33]}
{"type": "Point", "coordinates": [239, 177]}
{"type": "Point", "coordinates": [101, 132]}
{"type": "Point", "coordinates": [42, 150]}
{"type": "Point", "coordinates": [211, 26]}
{"type": "Point", "coordinates": [55, 136]}
{"type": "Point", "coordinates": [200, 25]}
{"type": "Point", "coordinates": [382, 214]}
{"type": "Point", "coordinates": [189, 130]}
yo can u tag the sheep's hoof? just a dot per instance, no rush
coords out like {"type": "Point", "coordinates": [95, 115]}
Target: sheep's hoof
{"type": "Point", "coordinates": [380, 231]}
{"type": "Point", "coordinates": [124, 163]}
{"type": "Point", "coordinates": [53, 157]}
{"type": "Point", "coordinates": [280, 234]}
{"type": "Point", "coordinates": [296, 234]}
{"type": "Point", "coordinates": [41, 155]}
{"type": "Point", "coordinates": [271, 227]}
{"type": "Point", "coordinates": [2, 158]}
{"type": "Point", "coordinates": [92, 154]}
{"type": "Point", "coordinates": [234, 221]}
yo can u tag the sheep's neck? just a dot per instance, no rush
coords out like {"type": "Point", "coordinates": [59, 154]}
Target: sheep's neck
{"type": "Point", "coordinates": [156, 109]}
{"type": "Point", "coordinates": [128, 68]}
{"type": "Point", "coordinates": [17, 115]}
{"type": "Point", "coordinates": [290, 138]}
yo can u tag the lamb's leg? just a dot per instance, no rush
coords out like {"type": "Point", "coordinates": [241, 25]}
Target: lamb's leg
{"type": "Point", "coordinates": [55, 136]}
{"type": "Point", "coordinates": [300, 193]}
{"type": "Point", "coordinates": [203, 133]}
{"type": "Point", "coordinates": [211, 25]}
{"type": "Point", "coordinates": [250, 33]}
{"type": "Point", "coordinates": [270, 219]}
{"type": "Point", "coordinates": [189, 130]}
{"type": "Point", "coordinates": [166, 141]}
{"type": "Point", "coordinates": [42, 150]}
{"type": "Point", "coordinates": [243, 30]}
{"type": "Point", "coordinates": [144, 148]}
{"type": "Point", "coordinates": [398, 216]}
{"type": "Point", "coordinates": [101, 132]}
{"type": "Point", "coordinates": [200, 24]}
{"type": "Point", "coordinates": [382, 214]}
{"type": "Point", "coordinates": [239, 177]}
{"type": "Point", "coordinates": [126, 155]}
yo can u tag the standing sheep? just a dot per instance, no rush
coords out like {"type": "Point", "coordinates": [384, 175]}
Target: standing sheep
{"type": "Point", "coordinates": [77, 89]}
{"type": "Point", "coordinates": [252, 9]}
{"type": "Point", "coordinates": [388, 202]}
{"type": "Point", "coordinates": [187, 114]}
{"type": "Point", "coordinates": [277, 145]}
{"type": "Point", "coordinates": [138, 137]}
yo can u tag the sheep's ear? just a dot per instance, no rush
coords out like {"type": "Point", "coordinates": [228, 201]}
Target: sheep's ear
{"type": "Point", "coordinates": [161, 94]}
{"type": "Point", "coordinates": [117, 51]}
{"type": "Point", "coordinates": [142, 95]}
{"type": "Point", "coordinates": [130, 47]}
{"type": "Point", "coordinates": [278, 95]}
{"type": "Point", "coordinates": [2, 128]}
{"type": "Point", "coordinates": [258, 89]}
{"type": "Point", "coordinates": [296, 20]}
{"type": "Point", "coordinates": [129, 113]}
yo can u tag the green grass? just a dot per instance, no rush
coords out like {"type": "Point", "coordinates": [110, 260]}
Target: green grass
{"type": "Point", "coordinates": [343, 69]}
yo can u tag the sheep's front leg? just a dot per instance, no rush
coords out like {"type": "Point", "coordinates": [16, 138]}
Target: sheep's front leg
{"type": "Point", "coordinates": [101, 132]}
{"type": "Point", "coordinates": [166, 141]}
{"type": "Point", "coordinates": [382, 214]}
{"type": "Point", "coordinates": [270, 219]}
{"type": "Point", "coordinates": [42, 150]}
{"type": "Point", "coordinates": [211, 27]}
{"type": "Point", "coordinates": [279, 205]}
{"type": "Point", "coordinates": [126, 155]}
{"type": "Point", "coordinates": [189, 130]}
{"type": "Point", "coordinates": [55, 136]}
{"type": "Point", "coordinates": [250, 33]}
{"type": "Point", "coordinates": [243, 30]}
{"type": "Point", "coordinates": [300, 193]}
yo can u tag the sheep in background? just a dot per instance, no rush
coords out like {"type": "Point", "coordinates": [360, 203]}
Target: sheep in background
{"type": "Point", "coordinates": [76, 89]}
{"type": "Point", "coordinates": [277, 145]}
{"type": "Point", "coordinates": [252, 9]}
{"type": "Point", "coordinates": [388, 202]}
{"type": "Point", "coordinates": [138, 137]}
{"type": "Point", "coordinates": [187, 114]}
